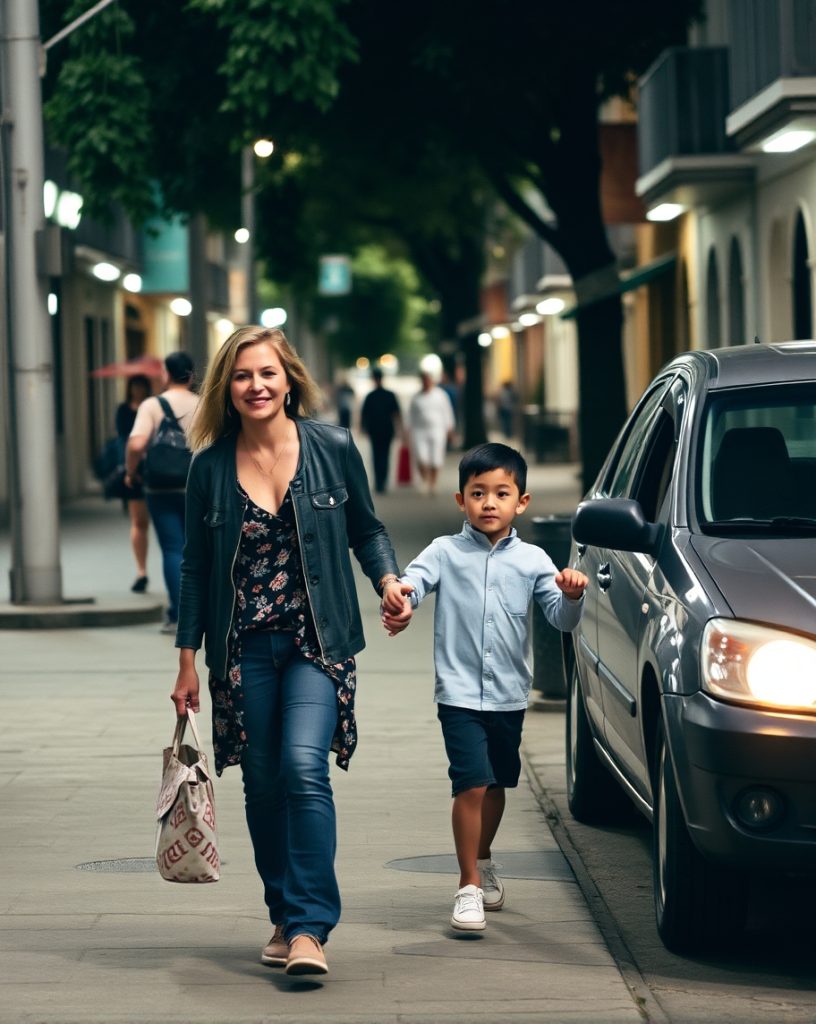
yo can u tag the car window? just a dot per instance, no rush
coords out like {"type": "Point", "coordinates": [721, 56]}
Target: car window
{"type": "Point", "coordinates": [757, 455]}
{"type": "Point", "coordinates": [655, 473]}
{"type": "Point", "coordinates": [623, 468]}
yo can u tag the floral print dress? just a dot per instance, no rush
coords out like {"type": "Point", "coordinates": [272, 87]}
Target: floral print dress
{"type": "Point", "coordinates": [270, 594]}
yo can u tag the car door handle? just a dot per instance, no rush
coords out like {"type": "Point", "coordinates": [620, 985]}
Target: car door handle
{"type": "Point", "coordinates": [604, 576]}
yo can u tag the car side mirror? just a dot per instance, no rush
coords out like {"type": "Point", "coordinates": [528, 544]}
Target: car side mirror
{"type": "Point", "coordinates": [616, 523]}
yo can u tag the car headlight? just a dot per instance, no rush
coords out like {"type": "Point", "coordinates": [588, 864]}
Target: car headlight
{"type": "Point", "coordinates": [757, 665]}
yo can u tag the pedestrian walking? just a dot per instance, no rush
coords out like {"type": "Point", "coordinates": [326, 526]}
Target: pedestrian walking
{"type": "Point", "coordinates": [344, 399]}
{"type": "Point", "coordinates": [482, 658]}
{"type": "Point", "coordinates": [165, 496]}
{"type": "Point", "coordinates": [430, 418]}
{"type": "Point", "coordinates": [138, 389]}
{"type": "Point", "coordinates": [381, 419]}
{"type": "Point", "coordinates": [506, 401]}
{"type": "Point", "coordinates": [274, 501]}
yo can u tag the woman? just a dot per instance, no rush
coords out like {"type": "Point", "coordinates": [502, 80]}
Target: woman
{"type": "Point", "coordinates": [274, 501]}
{"type": "Point", "coordinates": [138, 389]}
{"type": "Point", "coordinates": [165, 504]}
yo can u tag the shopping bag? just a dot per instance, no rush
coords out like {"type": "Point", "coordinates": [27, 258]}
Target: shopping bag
{"type": "Point", "coordinates": [404, 465]}
{"type": "Point", "coordinates": [186, 841]}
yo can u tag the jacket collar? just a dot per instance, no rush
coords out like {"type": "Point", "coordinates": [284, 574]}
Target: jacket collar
{"type": "Point", "coordinates": [476, 537]}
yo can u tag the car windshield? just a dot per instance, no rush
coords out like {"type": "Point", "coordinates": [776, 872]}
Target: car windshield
{"type": "Point", "coordinates": [757, 461]}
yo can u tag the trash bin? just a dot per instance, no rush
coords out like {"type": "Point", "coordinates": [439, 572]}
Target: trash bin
{"type": "Point", "coordinates": [554, 535]}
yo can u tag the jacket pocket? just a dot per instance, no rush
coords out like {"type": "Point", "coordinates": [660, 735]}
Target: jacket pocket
{"type": "Point", "coordinates": [331, 498]}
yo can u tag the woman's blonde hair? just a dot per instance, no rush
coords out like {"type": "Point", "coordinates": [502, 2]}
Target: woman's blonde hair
{"type": "Point", "coordinates": [216, 416]}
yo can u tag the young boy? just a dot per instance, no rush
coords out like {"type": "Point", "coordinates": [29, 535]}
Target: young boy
{"type": "Point", "coordinates": [485, 579]}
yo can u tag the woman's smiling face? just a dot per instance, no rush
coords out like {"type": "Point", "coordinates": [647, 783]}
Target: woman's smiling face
{"type": "Point", "coordinates": [259, 384]}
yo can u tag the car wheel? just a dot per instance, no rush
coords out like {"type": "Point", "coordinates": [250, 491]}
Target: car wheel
{"type": "Point", "coordinates": [697, 904]}
{"type": "Point", "coordinates": [594, 797]}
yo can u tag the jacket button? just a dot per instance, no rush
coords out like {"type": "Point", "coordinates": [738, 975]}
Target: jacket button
{"type": "Point", "coordinates": [314, 580]}
{"type": "Point", "coordinates": [308, 538]}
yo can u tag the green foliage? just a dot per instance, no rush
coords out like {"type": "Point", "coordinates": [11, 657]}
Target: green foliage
{"type": "Point", "coordinates": [108, 143]}
{"type": "Point", "coordinates": [277, 48]}
{"type": "Point", "coordinates": [383, 313]}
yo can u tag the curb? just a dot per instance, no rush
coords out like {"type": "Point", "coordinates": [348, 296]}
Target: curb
{"type": "Point", "coordinates": [82, 613]}
{"type": "Point", "coordinates": [644, 999]}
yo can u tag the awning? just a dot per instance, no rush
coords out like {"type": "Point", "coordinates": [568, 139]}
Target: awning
{"type": "Point", "coordinates": [628, 282]}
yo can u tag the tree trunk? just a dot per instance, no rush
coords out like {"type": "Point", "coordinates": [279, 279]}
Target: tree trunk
{"type": "Point", "coordinates": [457, 280]}
{"type": "Point", "coordinates": [575, 196]}
{"type": "Point", "coordinates": [602, 388]}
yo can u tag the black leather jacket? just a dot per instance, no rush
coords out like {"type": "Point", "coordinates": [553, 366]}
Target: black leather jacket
{"type": "Point", "coordinates": [333, 511]}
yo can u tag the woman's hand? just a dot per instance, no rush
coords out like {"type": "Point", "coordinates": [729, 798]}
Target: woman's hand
{"type": "Point", "coordinates": [185, 692]}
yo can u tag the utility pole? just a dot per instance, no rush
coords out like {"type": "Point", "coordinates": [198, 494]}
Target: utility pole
{"type": "Point", "coordinates": [36, 576]}
{"type": "Point", "coordinates": [248, 219]}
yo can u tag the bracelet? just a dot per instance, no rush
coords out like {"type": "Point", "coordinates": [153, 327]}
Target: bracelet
{"type": "Point", "coordinates": [389, 577]}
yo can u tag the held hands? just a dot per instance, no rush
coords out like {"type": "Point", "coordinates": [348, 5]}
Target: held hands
{"type": "Point", "coordinates": [396, 610]}
{"type": "Point", "coordinates": [572, 583]}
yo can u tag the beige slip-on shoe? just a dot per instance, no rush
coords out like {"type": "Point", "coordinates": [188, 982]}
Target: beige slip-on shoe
{"type": "Point", "coordinates": [306, 956]}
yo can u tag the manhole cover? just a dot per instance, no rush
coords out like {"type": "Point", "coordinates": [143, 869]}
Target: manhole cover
{"type": "Point", "coordinates": [548, 865]}
{"type": "Point", "coordinates": [122, 865]}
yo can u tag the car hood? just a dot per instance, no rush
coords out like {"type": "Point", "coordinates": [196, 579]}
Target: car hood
{"type": "Point", "coordinates": [767, 579]}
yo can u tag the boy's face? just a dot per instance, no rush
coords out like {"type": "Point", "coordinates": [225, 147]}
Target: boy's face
{"type": "Point", "coordinates": [491, 501]}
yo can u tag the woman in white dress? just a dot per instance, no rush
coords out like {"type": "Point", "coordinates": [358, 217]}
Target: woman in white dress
{"type": "Point", "coordinates": [430, 417]}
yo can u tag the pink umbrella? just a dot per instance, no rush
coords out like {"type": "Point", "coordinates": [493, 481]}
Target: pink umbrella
{"type": "Point", "coordinates": [148, 366]}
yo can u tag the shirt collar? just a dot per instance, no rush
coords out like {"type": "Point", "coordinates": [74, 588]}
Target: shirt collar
{"type": "Point", "coordinates": [477, 537]}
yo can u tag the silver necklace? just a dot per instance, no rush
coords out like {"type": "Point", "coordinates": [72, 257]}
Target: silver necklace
{"type": "Point", "coordinates": [267, 472]}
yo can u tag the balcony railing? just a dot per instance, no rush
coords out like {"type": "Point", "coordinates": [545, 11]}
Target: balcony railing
{"type": "Point", "coordinates": [770, 39]}
{"type": "Point", "coordinates": [682, 106]}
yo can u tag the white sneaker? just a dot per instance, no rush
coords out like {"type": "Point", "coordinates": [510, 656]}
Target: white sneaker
{"type": "Point", "coordinates": [468, 910]}
{"type": "Point", "coordinates": [491, 884]}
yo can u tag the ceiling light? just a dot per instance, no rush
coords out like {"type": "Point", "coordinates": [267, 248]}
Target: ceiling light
{"type": "Point", "coordinates": [53, 303]}
{"type": "Point", "coordinates": [181, 306]}
{"type": "Point", "coordinates": [500, 331]}
{"type": "Point", "coordinates": [106, 271]}
{"type": "Point", "coordinates": [132, 282]}
{"type": "Point", "coordinates": [485, 339]}
{"type": "Point", "coordinates": [787, 142]}
{"type": "Point", "coordinates": [665, 211]}
{"type": "Point", "coordinates": [242, 236]}
{"type": "Point", "coordinates": [529, 319]}
{"type": "Point", "coordinates": [550, 306]}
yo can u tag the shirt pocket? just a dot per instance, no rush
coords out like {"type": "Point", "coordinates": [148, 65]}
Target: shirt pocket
{"type": "Point", "coordinates": [515, 593]}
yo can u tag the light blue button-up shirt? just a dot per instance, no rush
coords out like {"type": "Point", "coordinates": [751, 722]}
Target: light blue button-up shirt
{"type": "Point", "coordinates": [482, 634]}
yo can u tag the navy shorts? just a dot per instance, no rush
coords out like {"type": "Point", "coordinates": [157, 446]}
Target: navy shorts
{"type": "Point", "coordinates": [482, 746]}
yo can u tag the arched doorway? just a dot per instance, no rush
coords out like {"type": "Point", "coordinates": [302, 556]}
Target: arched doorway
{"type": "Point", "coordinates": [779, 292]}
{"type": "Point", "coordinates": [736, 296]}
{"type": "Point", "coordinates": [713, 337]}
{"type": "Point", "coordinates": [800, 281]}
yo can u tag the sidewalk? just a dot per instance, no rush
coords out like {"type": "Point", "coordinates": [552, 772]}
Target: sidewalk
{"type": "Point", "coordinates": [86, 713]}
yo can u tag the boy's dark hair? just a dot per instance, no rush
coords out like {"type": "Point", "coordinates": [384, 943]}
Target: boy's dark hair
{"type": "Point", "coordinates": [486, 457]}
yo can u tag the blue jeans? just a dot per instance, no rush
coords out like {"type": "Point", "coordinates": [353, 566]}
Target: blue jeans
{"type": "Point", "coordinates": [290, 714]}
{"type": "Point", "coordinates": [167, 512]}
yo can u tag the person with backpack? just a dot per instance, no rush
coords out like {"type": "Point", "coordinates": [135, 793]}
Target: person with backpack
{"type": "Point", "coordinates": [159, 438]}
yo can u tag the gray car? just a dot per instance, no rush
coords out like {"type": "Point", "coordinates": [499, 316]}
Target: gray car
{"type": "Point", "coordinates": [692, 676]}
